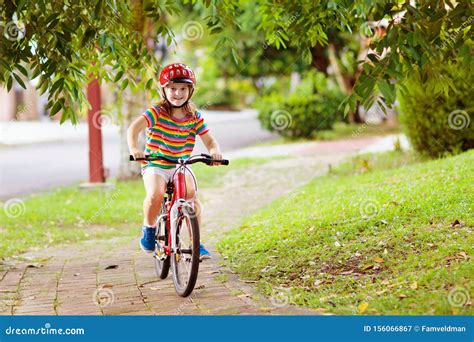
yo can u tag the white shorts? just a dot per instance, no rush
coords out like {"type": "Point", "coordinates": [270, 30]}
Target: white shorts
{"type": "Point", "coordinates": [165, 173]}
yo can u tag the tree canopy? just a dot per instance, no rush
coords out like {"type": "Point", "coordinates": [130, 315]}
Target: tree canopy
{"type": "Point", "coordinates": [66, 43]}
{"type": "Point", "coordinates": [419, 37]}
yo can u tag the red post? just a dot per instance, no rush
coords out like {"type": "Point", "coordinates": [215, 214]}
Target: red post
{"type": "Point", "coordinates": [96, 168]}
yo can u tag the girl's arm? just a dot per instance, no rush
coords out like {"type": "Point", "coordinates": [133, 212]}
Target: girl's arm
{"type": "Point", "coordinates": [212, 146]}
{"type": "Point", "coordinates": [135, 128]}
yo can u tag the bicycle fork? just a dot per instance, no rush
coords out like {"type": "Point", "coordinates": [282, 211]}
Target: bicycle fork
{"type": "Point", "coordinates": [180, 195]}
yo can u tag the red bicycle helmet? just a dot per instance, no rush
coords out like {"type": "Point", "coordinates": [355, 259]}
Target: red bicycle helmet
{"type": "Point", "coordinates": [177, 73]}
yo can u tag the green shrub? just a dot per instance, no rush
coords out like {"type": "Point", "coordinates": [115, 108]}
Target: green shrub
{"type": "Point", "coordinates": [313, 107]}
{"type": "Point", "coordinates": [243, 92]}
{"type": "Point", "coordinates": [439, 125]}
{"type": "Point", "coordinates": [213, 90]}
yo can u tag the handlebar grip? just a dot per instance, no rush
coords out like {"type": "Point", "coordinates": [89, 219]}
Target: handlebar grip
{"type": "Point", "coordinates": [132, 158]}
{"type": "Point", "coordinates": [225, 162]}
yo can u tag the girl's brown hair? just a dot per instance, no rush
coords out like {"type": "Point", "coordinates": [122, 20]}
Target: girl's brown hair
{"type": "Point", "coordinates": [189, 109]}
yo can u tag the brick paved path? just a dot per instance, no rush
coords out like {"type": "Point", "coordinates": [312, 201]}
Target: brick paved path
{"type": "Point", "coordinates": [114, 277]}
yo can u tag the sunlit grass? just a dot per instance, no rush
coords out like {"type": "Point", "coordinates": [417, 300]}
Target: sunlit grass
{"type": "Point", "coordinates": [396, 237]}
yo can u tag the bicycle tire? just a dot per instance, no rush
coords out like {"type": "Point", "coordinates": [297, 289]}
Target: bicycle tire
{"type": "Point", "coordinates": [184, 287]}
{"type": "Point", "coordinates": [162, 265]}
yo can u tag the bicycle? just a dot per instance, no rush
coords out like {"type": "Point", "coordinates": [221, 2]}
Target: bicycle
{"type": "Point", "coordinates": [177, 230]}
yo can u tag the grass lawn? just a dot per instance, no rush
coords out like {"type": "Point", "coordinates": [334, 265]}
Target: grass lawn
{"type": "Point", "coordinates": [382, 234]}
{"type": "Point", "coordinates": [69, 214]}
{"type": "Point", "coordinates": [342, 130]}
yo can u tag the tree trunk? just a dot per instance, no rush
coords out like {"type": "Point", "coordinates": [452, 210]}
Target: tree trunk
{"type": "Point", "coordinates": [319, 59]}
{"type": "Point", "coordinates": [132, 106]}
{"type": "Point", "coordinates": [295, 80]}
{"type": "Point", "coordinates": [345, 81]}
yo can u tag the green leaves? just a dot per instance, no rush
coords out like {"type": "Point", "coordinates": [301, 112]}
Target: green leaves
{"type": "Point", "coordinates": [19, 80]}
{"type": "Point", "coordinates": [22, 69]}
{"type": "Point", "coordinates": [9, 83]}
{"type": "Point", "coordinates": [67, 44]}
{"type": "Point", "coordinates": [216, 30]}
{"type": "Point", "coordinates": [56, 108]}
{"type": "Point", "coordinates": [124, 84]}
{"type": "Point", "coordinates": [387, 90]}
{"type": "Point", "coordinates": [57, 86]}
{"type": "Point", "coordinates": [88, 34]}
{"type": "Point", "coordinates": [149, 84]}
{"type": "Point", "coordinates": [64, 42]}
{"type": "Point", "coordinates": [118, 76]}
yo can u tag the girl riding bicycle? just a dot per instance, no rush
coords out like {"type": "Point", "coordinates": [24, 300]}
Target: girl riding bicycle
{"type": "Point", "coordinates": [171, 127]}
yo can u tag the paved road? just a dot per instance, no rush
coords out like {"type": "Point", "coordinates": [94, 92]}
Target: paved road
{"type": "Point", "coordinates": [31, 168]}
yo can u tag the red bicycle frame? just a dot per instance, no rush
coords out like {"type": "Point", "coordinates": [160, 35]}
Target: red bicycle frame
{"type": "Point", "coordinates": [174, 204]}
{"type": "Point", "coordinates": [179, 195]}
{"type": "Point", "coordinates": [180, 250]}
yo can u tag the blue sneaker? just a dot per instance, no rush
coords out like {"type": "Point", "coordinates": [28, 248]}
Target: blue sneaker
{"type": "Point", "coordinates": [147, 242]}
{"type": "Point", "coordinates": [203, 253]}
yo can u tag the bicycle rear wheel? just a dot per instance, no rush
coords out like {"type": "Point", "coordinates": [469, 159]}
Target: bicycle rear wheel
{"type": "Point", "coordinates": [162, 261]}
{"type": "Point", "coordinates": [185, 259]}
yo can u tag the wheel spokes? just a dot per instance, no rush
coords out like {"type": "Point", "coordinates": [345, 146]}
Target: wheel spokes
{"type": "Point", "coordinates": [184, 255]}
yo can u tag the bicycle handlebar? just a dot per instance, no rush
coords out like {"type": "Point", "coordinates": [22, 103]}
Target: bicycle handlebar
{"type": "Point", "coordinates": [202, 158]}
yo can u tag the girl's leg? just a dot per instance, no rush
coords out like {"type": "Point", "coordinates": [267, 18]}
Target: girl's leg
{"type": "Point", "coordinates": [191, 195]}
{"type": "Point", "coordinates": [155, 189]}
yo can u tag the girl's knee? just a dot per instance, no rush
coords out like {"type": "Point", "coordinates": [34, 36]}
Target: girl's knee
{"type": "Point", "coordinates": [190, 194]}
{"type": "Point", "coordinates": [154, 198]}
{"type": "Point", "coordinates": [190, 188]}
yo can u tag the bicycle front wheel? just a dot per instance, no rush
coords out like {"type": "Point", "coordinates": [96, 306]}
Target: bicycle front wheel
{"type": "Point", "coordinates": [185, 259]}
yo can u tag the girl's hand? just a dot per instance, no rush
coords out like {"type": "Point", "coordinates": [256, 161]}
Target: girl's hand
{"type": "Point", "coordinates": [136, 153]}
{"type": "Point", "coordinates": [216, 156]}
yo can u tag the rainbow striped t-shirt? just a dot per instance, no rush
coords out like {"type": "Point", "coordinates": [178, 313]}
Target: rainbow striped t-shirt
{"type": "Point", "coordinates": [171, 137]}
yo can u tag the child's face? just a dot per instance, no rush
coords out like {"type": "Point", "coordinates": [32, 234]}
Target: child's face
{"type": "Point", "coordinates": [177, 93]}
